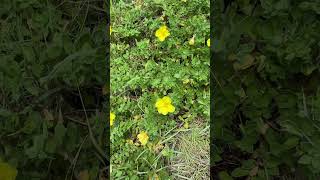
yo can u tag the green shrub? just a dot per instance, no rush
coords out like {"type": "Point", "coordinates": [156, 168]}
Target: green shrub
{"type": "Point", "coordinates": [266, 64]}
{"type": "Point", "coordinates": [50, 51]}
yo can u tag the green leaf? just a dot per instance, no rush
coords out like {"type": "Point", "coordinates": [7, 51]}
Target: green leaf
{"type": "Point", "coordinates": [240, 172]}
{"type": "Point", "coordinates": [59, 133]}
{"type": "Point", "coordinates": [32, 123]}
{"type": "Point", "coordinates": [31, 87]}
{"type": "Point", "coordinates": [291, 142]}
{"type": "Point", "coordinates": [28, 54]}
{"type": "Point", "coordinates": [305, 159]}
{"type": "Point", "coordinates": [36, 150]}
{"type": "Point", "coordinates": [54, 51]}
{"type": "Point", "coordinates": [316, 163]}
{"type": "Point", "coordinates": [224, 176]}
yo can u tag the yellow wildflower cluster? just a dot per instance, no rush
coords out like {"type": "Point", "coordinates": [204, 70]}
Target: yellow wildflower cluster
{"type": "Point", "coordinates": [163, 105]}
{"type": "Point", "coordinates": [163, 32]}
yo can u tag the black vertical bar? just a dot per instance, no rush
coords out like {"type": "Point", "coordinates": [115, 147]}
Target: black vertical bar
{"type": "Point", "coordinates": [108, 154]}
{"type": "Point", "coordinates": [211, 89]}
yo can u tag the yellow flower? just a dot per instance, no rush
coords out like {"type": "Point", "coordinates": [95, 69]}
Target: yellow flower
{"type": "Point", "coordinates": [164, 105]}
{"type": "Point", "coordinates": [110, 29]}
{"type": "Point", "coordinates": [208, 42]}
{"type": "Point", "coordinates": [143, 138]}
{"type": "Point", "coordinates": [191, 41]}
{"type": "Point", "coordinates": [186, 125]}
{"type": "Point", "coordinates": [136, 117]}
{"type": "Point", "coordinates": [162, 33]}
{"type": "Point", "coordinates": [112, 118]}
{"type": "Point", "coordinates": [7, 172]}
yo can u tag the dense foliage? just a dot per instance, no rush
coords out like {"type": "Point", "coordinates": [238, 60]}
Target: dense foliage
{"type": "Point", "coordinates": [267, 95]}
{"type": "Point", "coordinates": [158, 48]}
{"type": "Point", "coordinates": [52, 70]}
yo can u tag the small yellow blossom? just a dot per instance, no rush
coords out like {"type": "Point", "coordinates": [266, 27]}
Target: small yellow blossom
{"type": "Point", "coordinates": [110, 29]}
{"type": "Point", "coordinates": [112, 118]}
{"type": "Point", "coordinates": [208, 42]}
{"type": "Point", "coordinates": [143, 138]}
{"type": "Point", "coordinates": [186, 125]}
{"type": "Point", "coordinates": [164, 105]}
{"type": "Point", "coordinates": [137, 117]}
{"type": "Point", "coordinates": [162, 33]}
{"type": "Point", "coordinates": [191, 41]}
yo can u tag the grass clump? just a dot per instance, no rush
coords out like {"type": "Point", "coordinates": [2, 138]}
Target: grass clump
{"type": "Point", "coordinates": [193, 153]}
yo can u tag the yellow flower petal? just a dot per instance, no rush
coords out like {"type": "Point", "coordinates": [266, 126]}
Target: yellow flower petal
{"type": "Point", "coordinates": [186, 125]}
{"type": "Point", "coordinates": [162, 33]}
{"type": "Point", "coordinates": [143, 138]}
{"type": "Point", "coordinates": [208, 42]}
{"type": "Point", "coordinates": [166, 99]}
{"type": "Point", "coordinates": [112, 118]}
{"type": "Point", "coordinates": [191, 41]}
{"type": "Point", "coordinates": [158, 103]}
{"type": "Point", "coordinates": [171, 108]}
{"type": "Point", "coordinates": [163, 111]}
{"type": "Point", "coordinates": [164, 105]}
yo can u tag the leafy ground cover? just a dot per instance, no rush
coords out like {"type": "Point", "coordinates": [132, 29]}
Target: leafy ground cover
{"type": "Point", "coordinates": [267, 98]}
{"type": "Point", "coordinates": [159, 88]}
{"type": "Point", "coordinates": [52, 70]}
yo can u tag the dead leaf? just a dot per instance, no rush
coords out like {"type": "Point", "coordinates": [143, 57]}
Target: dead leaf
{"type": "Point", "coordinates": [254, 171]}
{"type": "Point", "coordinates": [244, 63]}
{"type": "Point", "coordinates": [84, 175]}
{"type": "Point", "coordinates": [48, 115]}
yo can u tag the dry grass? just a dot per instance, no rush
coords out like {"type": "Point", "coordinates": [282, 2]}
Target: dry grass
{"type": "Point", "coordinates": [193, 158]}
